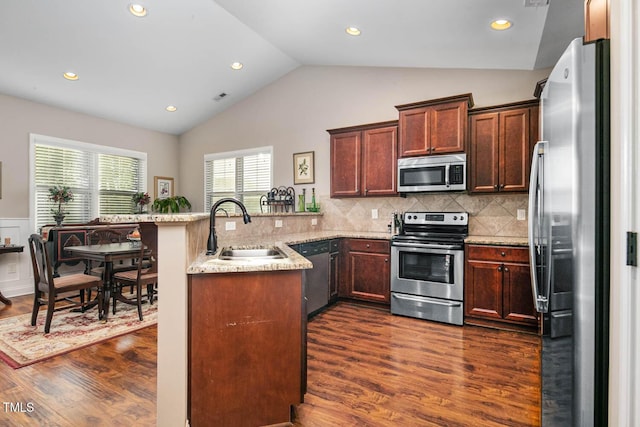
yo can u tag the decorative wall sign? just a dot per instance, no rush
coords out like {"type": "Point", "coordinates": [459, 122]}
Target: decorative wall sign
{"type": "Point", "coordinates": [163, 187]}
{"type": "Point", "coordinates": [304, 168]}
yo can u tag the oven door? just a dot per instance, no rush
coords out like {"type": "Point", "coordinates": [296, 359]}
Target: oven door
{"type": "Point", "coordinates": [428, 270]}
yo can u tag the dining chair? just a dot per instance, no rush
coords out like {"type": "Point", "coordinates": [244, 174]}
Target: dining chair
{"type": "Point", "coordinates": [49, 290]}
{"type": "Point", "coordinates": [146, 275]}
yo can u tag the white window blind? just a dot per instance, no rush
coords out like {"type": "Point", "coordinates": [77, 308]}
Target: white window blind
{"type": "Point", "coordinates": [102, 179]}
{"type": "Point", "coordinates": [245, 175]}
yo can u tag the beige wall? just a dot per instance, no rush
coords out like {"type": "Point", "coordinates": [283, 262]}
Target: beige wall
{"type": "Point", "coordinates": [19, 118]}
{"type": "Point", "coordinates": [293, 113]}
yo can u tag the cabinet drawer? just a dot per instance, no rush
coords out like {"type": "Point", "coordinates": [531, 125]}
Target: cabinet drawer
{"type": "Point", "coordinates": [498, 253]}
{"type": "Point", "coordinates": [366, 245]}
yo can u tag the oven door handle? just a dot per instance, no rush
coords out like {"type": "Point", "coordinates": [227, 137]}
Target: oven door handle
{"type": "Point", "coordinates": [426, 246]}
{"type": "Point", "coordinates": [431, 300]}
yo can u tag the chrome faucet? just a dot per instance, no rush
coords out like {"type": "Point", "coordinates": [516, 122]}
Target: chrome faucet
{"type": "Point", "coordinates": [212, 243]}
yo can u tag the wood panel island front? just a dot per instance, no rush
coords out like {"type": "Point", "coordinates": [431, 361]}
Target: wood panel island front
{"type": "Point", "coordinates": [230, 334]}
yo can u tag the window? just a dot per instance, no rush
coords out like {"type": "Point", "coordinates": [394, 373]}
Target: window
{"type": "Point", "coordinates": [245, 175]}
{"type": "Point", "coordinates": [102, 179]}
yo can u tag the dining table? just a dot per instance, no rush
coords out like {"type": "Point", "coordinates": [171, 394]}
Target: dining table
{"type": "Point", "coordinates": [107, 253]}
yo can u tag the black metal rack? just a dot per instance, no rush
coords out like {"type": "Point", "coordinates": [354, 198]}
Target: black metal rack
{"type": "Point", "coordinates": [280, 199]}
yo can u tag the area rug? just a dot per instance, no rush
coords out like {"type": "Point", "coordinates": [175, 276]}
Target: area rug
{"type": "Point", "coordinates": [22, 344]}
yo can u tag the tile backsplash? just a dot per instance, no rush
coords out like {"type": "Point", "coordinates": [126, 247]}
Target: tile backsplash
{"type": "Point", "coordinates": [489, 215]}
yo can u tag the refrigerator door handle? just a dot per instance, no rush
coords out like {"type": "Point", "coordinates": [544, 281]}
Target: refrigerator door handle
{"type": "Point", "coordinates": [536, 240]}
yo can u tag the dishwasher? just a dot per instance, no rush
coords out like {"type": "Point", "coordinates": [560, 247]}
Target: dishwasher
{"type": "Point", "coordinates": [316, 279]}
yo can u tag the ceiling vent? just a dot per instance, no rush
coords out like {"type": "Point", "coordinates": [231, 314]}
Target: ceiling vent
{"type": "Point", "coordinates": [535, 3]}
{"type": "Point", "coordinates": [219, 96]}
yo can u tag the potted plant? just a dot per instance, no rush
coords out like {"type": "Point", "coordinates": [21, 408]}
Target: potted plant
{"type": "Point", "coordinates": [171, 204]}
{"type": "Point", "coordinates": [59, 194]}
{"type": "Point", "coordinates": [141, 199]}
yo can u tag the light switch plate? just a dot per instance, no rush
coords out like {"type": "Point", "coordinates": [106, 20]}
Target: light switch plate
{"type": "Point", "coordinates": [278, 223]}
{"type": "Point", "coordinates": [522, 215]}
{"type": "Point", "coordinates": [314, 221]}
{"type": "Point", "coordinates": [230, 225]}
{"type": "Point", "coordinates": [374, 213]}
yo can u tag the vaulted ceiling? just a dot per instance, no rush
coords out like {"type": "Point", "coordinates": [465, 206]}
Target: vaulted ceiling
{"type": "Point", "coordinates": [131, 68]}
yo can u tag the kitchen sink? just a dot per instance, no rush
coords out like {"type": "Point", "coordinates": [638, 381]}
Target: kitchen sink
{"type": "Point", "coordinates": [241, 254]}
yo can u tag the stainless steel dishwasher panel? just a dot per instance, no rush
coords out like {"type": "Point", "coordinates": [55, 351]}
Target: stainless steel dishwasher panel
{"type": "Point", "coordinates": [316, 279]}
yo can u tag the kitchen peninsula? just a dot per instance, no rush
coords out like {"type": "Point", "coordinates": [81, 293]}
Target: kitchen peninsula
{"type": "Point", "coordinates": [181, 254]}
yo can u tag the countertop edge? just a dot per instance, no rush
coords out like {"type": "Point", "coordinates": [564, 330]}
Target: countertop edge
{"type": "Point", "coordinates": [497, 240]}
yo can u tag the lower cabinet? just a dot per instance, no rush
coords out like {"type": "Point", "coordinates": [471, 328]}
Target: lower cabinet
{"type": "Point", "coordinates": [334, 271]}
{"type": "Point", "coordinates": [246, 335]}
{"type": "Point", "coordinates": [498, 287]}
{"type": "Point", "coordinates": [366, 270]}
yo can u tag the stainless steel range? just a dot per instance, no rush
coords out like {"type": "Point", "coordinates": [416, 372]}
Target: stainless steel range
{"type": "Point", "coordinates": [427, 266]}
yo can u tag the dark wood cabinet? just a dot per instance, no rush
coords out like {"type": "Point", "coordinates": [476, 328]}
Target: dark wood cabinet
{"type": "Point", "coordinates": [366, 268]}
{"type": "Point", "coordinates": [334, 270]}
{"type": "Point", "coordinates": [498, 287]}
{"type": "Point", "coordinates": [246, 347]}
{"type": "Point", "coordinates": [501, 143]}
{"type": "Point", "coordinates": [596, 20]}
{"type": "Point", "coordinates": [437, 126]}
{"type": "Point", "coordinates": [363, 160]}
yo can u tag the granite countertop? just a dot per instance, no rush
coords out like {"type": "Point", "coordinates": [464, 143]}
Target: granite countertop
{"type": "Point", "coordinates": [497, 240]}
{"type": "Point", "coordinates": [154, 217]}
{"type": "Point", "coordinates": [294, 261]}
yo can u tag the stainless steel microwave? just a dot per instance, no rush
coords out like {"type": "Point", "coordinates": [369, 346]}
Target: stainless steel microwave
{"type": "Point", "coordinates": [432, 173]}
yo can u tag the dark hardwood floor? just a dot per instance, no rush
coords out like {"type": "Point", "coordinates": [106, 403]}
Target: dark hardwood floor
{"type": "Point", "coordinates": [108, 384]}
{"type": "Point", "coordinates": [369, 368]}
{"type": "Point", "coordinates": [365, 368]}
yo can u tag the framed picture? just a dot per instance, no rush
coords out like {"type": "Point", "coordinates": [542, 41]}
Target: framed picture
{"type": "Point", "coordinates": [303, 168]}
{"type": "Point", "coordinates": [163, 187]}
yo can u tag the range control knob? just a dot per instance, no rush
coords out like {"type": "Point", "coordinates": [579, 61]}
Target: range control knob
{"type": "Point", "coordinates": [455, 217]}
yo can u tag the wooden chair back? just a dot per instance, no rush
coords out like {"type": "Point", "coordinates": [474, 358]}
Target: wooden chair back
{"type": "Point", "coordinates": [40, 261]}
{"type": "Point", "coordinates": [101, 236]}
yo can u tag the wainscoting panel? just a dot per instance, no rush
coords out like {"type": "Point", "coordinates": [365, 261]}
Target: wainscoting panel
{"type": "Point", "coordinates": [16, 276]}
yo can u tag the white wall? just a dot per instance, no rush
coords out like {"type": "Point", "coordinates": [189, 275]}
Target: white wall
{"type": "Point", "coordinates": [624, 366]}
{"type": "Point", "coordinates": [294, 113]}
{"type": "Point", "coordinates": [21, 117]}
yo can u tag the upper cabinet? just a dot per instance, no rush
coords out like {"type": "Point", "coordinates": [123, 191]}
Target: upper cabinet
{"type": "Point", "coordinates": [500, 144]}
{"type": "Point", "coordinates": [437, 126]}
{"type": "Point", "coordinates": [363, 160]}
{"type": "Point", "coordinates": [596, 20]}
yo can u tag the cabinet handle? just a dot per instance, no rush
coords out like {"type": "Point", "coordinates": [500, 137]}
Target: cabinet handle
{"type": "Point", "coordinates": [368, 245]}
{"type": "Point", "coordinates": [502, 186]}
{"type": "Point", "coordinates": [506, 269]}
{"type": "Point", "coordinates": [500, 268]}
{"type": "Point", "coordinates": [503, 254]}
{"type": "Point", "coordinates": [433, 149]}
{"type": "Point", "coordinates": [386, 260]}
{"type": "Point", "coordinates": [495, 187]}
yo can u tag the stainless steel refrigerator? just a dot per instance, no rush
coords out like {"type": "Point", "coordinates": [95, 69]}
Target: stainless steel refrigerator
{"type": "Point", "coordinates": [569, 237]}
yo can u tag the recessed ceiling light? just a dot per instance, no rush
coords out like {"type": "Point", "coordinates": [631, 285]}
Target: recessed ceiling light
{"type": "Point", "coordinates": [353, 31]}
{"type": "Point", "coordinates": [70, 76]}
{"type": "Point", "coordinates": [171, 108]}
{"type": "Point", "coordinates": [501, 24]}
{"type": "Point", "coordinates": [237, 65]}
{"type": "Point", "coordinates": [137, 10]}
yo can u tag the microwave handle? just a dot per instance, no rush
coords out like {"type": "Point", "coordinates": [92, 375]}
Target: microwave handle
{"type": "Point", "coordinates": [446, 174]}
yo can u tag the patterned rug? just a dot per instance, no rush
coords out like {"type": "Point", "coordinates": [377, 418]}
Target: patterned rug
{"type": "Point", "coordinates": [22, 344]}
